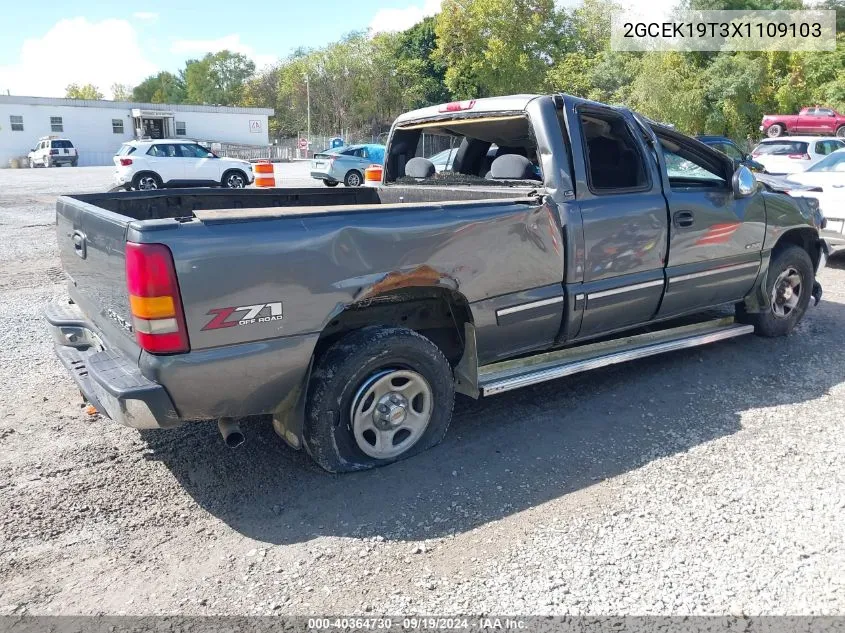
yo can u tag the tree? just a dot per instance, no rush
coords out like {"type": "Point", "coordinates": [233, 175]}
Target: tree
{"type": "Point", "coordinates": [217, 78]}
{"type": "Point", "coordinates": [164, 87]}
{"type": "Point", "coordinates": [121, 92]}
{"type": "Point", "coordinates": [88, 91]}
{"type": "Point", "coordinates": [493, 47]}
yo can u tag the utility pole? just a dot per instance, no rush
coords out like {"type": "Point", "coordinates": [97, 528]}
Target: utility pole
{"type": "Point", "coordinates": [308, 101]}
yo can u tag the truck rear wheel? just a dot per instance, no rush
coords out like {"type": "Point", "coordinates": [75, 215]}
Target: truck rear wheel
{"type": "Point", "coordinates": [789, 286]}
{"type": "Point", "coordinates": [378, 395]}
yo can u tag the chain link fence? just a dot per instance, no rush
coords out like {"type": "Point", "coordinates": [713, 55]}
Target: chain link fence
{"type": "Point", "coordinates": [288, 149]}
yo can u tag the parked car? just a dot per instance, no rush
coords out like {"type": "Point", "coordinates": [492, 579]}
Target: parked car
{"type": "Point", "coordinates": [731, 150]}
{"type": "Point", "coordinates": [443, 160]}
{"type": "Point", "coordinates": [352, 317]}
{"type": "Point", "coordinates": [154, 164]}
{"type": "Point", "coordinates": [814, 120]}
{"type": "Point", "coordinates": [790, 154]}
{"type": "Point", "coordinates": [52, 151]}
{"type": "Point", "coordinates": [346, 164]}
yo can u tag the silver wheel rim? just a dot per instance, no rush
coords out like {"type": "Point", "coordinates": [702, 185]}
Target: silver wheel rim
{"type": "Point", "coordinates": [840, 132]}
{"type": "Point", "coordinates": [786, 293]}
{"type": "Point", "coordinates": [390, 412]}
{"type": "Point", "coordinates": [147, 182]}
{"type": "Point", "coordinates": [235, 181]}
{"type": "Point", "coordinates": [354, 180]}
{"type": "Point", "coordinates": [774, 131]}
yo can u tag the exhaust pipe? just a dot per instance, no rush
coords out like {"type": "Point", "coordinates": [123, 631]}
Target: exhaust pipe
{"type": "Point", "coordinates": [231, 432]}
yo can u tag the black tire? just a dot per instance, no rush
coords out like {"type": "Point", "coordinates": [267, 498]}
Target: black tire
{"type": "Point", "coordinates": [74, 163]}
{"type": "Point", "coordinates": [231, 179]}
{"type": "Point", "coordinates": [770, 323]}
{"type": "Point", "coordinates": [340, 377]}
{"type": "Point", "coordinates": [775, 130]}
{"type": "Point", "coordinates": [840, 131]}
{"type": "Point", "coordinates": [331, 183]}
{"type": "Point", "coordinates": [353, 178]}
{"type": "Point", "coordinates": [138, 179]}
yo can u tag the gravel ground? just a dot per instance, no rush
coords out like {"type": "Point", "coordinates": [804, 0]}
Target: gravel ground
{"type": "Point", "coordinates": [709, 481]}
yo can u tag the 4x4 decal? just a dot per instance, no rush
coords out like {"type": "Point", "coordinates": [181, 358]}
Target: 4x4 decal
{"type": "Point", "coordinates": [231, 317]}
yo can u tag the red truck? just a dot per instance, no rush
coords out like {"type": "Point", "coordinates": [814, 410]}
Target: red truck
{"type": "Point", "coordinates": [813, 120]}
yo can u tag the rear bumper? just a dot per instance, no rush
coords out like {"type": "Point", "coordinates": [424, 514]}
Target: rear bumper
{"type": "Point", "coordinates": [107, 379]}
{"type": "Point", "coordinates": [322, 175]}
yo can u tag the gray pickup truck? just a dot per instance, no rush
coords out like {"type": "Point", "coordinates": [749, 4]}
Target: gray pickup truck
{"type": "Point", "coordinates": [564, 235]}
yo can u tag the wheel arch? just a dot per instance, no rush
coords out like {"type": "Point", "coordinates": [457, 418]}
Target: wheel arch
{"type": "Point", "coordinates": [229, 170]}
{"type": "Point", "coordinates": [441, 314]}
{"type": "Point", "coordinates": [804, 237]}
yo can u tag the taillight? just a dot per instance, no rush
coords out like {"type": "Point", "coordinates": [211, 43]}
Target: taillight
{"type": "Point", "coordinates": [799, 156]}
{"type": "Point", "coordinates": [457, 106]}
{"type": "Point", "coordinates": [157, 316]}
{"type": "Point", "coordinates": [125, 162]}
{"type": "Point", "coordinates": [53, 152]}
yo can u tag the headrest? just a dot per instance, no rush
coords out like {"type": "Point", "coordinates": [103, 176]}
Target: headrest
{"type": "Point", "coordinates": [512, 167]}
{"type": "Point", "coordinates": [419, 168]}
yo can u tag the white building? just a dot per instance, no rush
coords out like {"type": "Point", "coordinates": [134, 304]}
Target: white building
{"type": "Point", "coordinates": [97, 128]}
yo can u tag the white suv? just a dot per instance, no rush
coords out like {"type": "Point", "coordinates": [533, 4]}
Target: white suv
{"type": "Point", "coordinates": [53, 151]}
{"type": "Point", "coordinates": [154, 164]}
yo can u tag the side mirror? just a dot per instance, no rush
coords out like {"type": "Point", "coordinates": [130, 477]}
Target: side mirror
{"type": "Point", "coordinates": [744, 183]}
{"type": "Point", "coordinates": [32, 150]}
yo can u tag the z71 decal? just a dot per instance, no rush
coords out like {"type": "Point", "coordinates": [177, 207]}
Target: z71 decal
{"type": "Point", "coordinates": [244, 315]}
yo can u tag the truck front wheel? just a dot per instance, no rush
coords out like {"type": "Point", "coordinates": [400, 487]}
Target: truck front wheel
{"type": "Point", "coordinates": [378, 395]}
{"type": "Point", "coordinates": [775, 130]}
{"type": "Point", "coordinates": [789, 286]}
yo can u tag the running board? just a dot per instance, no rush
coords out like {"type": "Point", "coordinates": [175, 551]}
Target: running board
{"type": "Point", "coordinates": [513, 374]}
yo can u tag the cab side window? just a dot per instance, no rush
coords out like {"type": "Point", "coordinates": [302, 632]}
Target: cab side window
{"type": "Point", "coordinates": [614, 161]}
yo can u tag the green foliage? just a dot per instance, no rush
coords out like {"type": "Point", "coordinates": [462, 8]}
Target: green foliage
{"type": "Point", "coordinates": [88, 91]}
{"type": "Point", "coordinates": [164, 87]}
{"type": "Point", "coordinates": [477, 48]}
{"type": "Point", "coordinates": [493, 47]}
{"type": "Point", "coordinates": [217, 78]}
{"type": "Point", "coordinates": [121, 92]}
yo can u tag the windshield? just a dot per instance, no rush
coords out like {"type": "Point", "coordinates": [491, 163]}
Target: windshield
{"type": "Point", "coordinates": [780, 148]}
{"type": "Point", "coordinates": [61, 144]}
{"type": "Point", "coordinates": [832, 162]}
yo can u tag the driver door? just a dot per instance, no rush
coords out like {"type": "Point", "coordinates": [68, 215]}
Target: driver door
{"type": "Point", "coordinates": [715, 239]}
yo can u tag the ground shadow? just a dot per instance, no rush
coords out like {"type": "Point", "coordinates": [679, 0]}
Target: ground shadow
{"type": "Point", "coordinates": [506, 453]}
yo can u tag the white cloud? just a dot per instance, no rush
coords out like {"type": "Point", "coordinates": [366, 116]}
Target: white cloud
{"type": "Point", "coordinates": [77, 51]}
{"type": "Point", "coordinates": [227, 42]}
{"type": "Point", "coordinates": [147, 16]}
{"type": "Point", "coordinates": [392, 20]}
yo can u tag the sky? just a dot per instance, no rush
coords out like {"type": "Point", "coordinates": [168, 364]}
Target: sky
{"type": "Point", "coordinates": [48, 45]}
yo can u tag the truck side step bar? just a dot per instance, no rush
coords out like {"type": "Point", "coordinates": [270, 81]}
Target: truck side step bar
{"type": "Point", "coordinates": [513, 374]}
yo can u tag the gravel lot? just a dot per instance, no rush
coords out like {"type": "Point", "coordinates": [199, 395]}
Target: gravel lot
{"type": "Point", "coordinates": [707, 481]}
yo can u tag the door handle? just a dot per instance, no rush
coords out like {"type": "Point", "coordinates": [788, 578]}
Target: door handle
{"type": "Point", "coordinates": [80, 246]}
{"type": "Point", "coordinates": [683, 219]}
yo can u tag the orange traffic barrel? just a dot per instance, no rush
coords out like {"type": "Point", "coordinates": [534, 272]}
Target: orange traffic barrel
{"type": "Point", "coordinates": [264, 174]}
{"type": "Point", "coordinates": [372, 176]}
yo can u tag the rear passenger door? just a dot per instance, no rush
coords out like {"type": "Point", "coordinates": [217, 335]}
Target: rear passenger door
{"type": "Point", "coordinates": [625, 222]}
{"type": "Point", "coordinates": [715, 239]}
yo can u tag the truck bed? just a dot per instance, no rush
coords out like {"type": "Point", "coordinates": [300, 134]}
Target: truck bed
{"type": "Point", "coordinates": [183, 203]}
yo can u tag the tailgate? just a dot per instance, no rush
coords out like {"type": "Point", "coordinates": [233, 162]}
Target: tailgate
{"type": "Point", "coordinates": [92, 243]}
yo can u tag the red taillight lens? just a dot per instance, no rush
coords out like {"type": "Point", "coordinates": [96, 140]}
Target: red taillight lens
{"type": "Point", "coordinates": [156, 306]}
{"type": "Point", "coordinates": [799, 156]}
{"type": "Point", "coordinates": [458, 106]}
{"type": "Point", "coordinates": [125, 162]}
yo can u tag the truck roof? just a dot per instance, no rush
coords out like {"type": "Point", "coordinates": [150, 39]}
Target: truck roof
{"type": "Point", "coordinates": [488, 104]}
